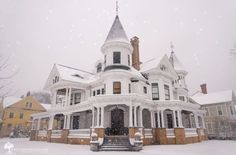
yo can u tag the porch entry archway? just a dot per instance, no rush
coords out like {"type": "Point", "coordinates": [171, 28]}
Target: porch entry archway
{"type": "Point", "coordinates": [117, 122]}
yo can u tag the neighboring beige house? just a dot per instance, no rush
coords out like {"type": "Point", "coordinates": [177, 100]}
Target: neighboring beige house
{"type": "Point", "coordinates": [220, 114]}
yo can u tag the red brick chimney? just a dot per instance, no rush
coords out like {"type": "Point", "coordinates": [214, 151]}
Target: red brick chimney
{"type": "Point", "coordinates": [135, 56]}
{"type": "Point", "coordinates": [204, 88]}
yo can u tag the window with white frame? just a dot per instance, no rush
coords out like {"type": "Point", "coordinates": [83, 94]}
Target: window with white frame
{"type": "Point", "coordinates": [219, 109]}
{"type": "Point", "coordinates": [181, 98]}
{"type": "Point", "coordinates": [155, 91]}
{"type": "Point", "coordinates": [116, 87]}
{"type": "Point", "coordinates": [167, 92]}
{"type": "Point", "coordinates": [129, 60]}
{"type": "Point", "coordinates": [99, 67]}
{"type": "Point", "coordinates": [207, 111]}
{"type": "Point", "coordinates": [232, 110]}
{"type": "Point", "coordinates": [129, 88]}
{"type": "Point", "coordinates": [77, 98]}
{"type": "Point", "coordinates": [116, 57]}
{"type": "Point", "coordinates": [145, 90]}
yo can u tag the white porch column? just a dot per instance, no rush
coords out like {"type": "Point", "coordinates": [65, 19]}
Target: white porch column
{"type": "Point", "coordinates": [38, 124]}
{"type": "Point", "coordinates": [51, 122]}
{"type": "Point", "coordinates": [130, 116]}
{"type": "Point", "coordinates": [93, 111]}
{"type": "Point", "coordinates": [174, 119]}
{"type": "Point", "coordinates": [68, 121]}
{"type": "Point", "coordinates": [203, 122]}
{"type": "Point", "coordinates": [102, 116]}
{"type": "Point", "coordinates": [66, 103]}
{"type": "Point", "coordinates": [162, 119]}
{"type": "Point", "coordinates": [196, 121]}
{"type": "Point", "coordinates": [180, 123]}
{"type": "Point", "coordinates": [158, 119]}
{"type": "Point", "coordinates": [54, 98]}
{"type": "Point", "coordinates": [141, 116]}
{"type": "Point", "coordinates": [135, 116]}
{"type": "Point", "coordinates": [69, 97]}
{"type": "Point", "coordinates": [65, 119]}
{"type": "Point", "coordinates": [98, 116]}
{"type": "Point", "coordinates": [152, 124]}
{"type": "Point", "coordinates": [33, 124]}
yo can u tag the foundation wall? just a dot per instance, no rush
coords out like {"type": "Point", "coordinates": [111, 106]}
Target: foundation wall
{"type": "Point", "coordinates": [179, 136]}
{"type": "Point", "coordinates": [161, 136]}
{"type": "Point", "coordinates": [81, 141]}
{"type": "Point", "coordinates": [158, 137]}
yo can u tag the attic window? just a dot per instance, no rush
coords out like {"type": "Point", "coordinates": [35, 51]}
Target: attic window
{"type": "Point", "coordinates": [162, 67]}
{"type": "Point", "coordinates": [56, 79]}
{"type": "Point", "coordinates": [77, 75]}
{"type": "Point", "coordinates": [99, 67]}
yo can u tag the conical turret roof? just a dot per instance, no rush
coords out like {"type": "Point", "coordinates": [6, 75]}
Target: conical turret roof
{"type": "Point", "coordinates": [117, 32]}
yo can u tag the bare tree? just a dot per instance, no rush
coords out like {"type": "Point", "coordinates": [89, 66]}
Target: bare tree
{"type": "Point", "coordinates": [6, 74]}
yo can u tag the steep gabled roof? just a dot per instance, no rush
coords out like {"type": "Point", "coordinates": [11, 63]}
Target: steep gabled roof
{"type": "Point", "coordinates": [70, 74]}
{"type": "Point", "coordinates": [117, 32]}
{"type": "Point", "coordinates": [156, 64]}
{"type": "Point", "coordinates": [213, 98]}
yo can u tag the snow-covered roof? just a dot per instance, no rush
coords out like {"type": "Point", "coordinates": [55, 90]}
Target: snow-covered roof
{"type": "Point", "coordinates": [117, 32]}
{"type": "Point", "coordinates": [150, 64]}
{"type": "Point", "coordinates": [7, 101]}
{"type": "Point", "coordinates": [175, 62]}
{"type": "Point", "coordinates": [213, 98]}
{"type": "Point", "coordinates": [46, 106]}
{"type": "Point", "coordinates": [74, 75]}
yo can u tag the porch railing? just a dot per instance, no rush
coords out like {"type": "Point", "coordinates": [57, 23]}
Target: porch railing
{"type": "Point", "coordinates": [56, 133]}
{"type": "Point", "coordinates": [42, 133]}
{"type": "Point", "coordinates": [170, 133]}
{"type": "Point", "coordinates": [190, 132]}
{"type": "Point", "coordinates": [148, 133]}
{"type": "Point", "coordinates": [79, 133]}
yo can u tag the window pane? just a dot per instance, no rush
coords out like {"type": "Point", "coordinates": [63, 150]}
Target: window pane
{"type": "Point", "coordinates": [116, 87]}
{"type": "Point", "coordinates": [155, 91]}
{"type": "Point", "coordinates": [116, 57]}
{"type": "Point", "coordinates": [167, 92]}
{"type": "Point", "coordinates": [77, 98]}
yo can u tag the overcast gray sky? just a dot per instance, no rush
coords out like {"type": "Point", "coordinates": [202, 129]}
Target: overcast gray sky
{"type": "Point", "coordinates": [38, 33]}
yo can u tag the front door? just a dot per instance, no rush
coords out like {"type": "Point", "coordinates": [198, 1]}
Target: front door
{"type": "Point", "coordinates": [117, 121]}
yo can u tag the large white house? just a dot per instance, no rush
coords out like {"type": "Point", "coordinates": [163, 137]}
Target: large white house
{"type": "Point", "coordinates": [121, 100]}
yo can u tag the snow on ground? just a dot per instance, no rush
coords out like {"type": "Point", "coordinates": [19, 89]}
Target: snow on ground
{"type": "Point", "coordinates": [23, 146]}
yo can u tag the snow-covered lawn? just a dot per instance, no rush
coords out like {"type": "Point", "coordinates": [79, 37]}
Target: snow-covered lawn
{"type": "Point", "coordinates": [25, 147]}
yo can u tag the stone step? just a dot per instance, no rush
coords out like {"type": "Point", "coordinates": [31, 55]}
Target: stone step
{"type": "Point", "coordinates": [116, 143]}
{"type": "Point", "coordinates": [115, 148]}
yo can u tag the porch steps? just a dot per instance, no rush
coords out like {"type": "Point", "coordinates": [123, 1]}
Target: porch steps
{"type": "Point", "coordinates": [116, 143]}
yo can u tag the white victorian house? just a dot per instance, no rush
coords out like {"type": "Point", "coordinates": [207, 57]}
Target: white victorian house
{"type": "Point", "coordinates": [121, 99]}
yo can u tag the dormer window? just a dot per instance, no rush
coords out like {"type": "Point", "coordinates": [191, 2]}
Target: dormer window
{"type": "Point", "coordinates": [116, 57]}
{"type": "Point", "coordinates": [99, 67]}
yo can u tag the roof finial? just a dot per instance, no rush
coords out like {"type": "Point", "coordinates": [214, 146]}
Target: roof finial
{"type": "Point", "coordinates": [172, 47]}
{"type": "Point", "coordinates": [117, 7]}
